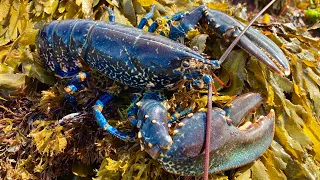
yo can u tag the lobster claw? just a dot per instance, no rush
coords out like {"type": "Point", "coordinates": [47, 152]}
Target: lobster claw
{"type": "Point", "coordinates": [230, 147]}
{"type": "Point", "coordinates": [253, 41]}
{"type": "Point", "coordinates": [229, 28]}
{"type": "Point", "coordinates": [266, 51]}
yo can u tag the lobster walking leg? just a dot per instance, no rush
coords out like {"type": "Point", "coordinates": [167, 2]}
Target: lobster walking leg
{"type": "Point", "coordinates": [175, 116]}
{"type": "Point", "coordinates": [155, 23]}
{"type": "Point", "coordinates": [76, 83]}
{"type": "Point", "coordinates": [145, 19]}
{"type": "Point", "coordinates": [103, 122]}
{"type": "Point", "coordinates": [111, 15]}
{"type": "Point", "coordinates": [133, 110]}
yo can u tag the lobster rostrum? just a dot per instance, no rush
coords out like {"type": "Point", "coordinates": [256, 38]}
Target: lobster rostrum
{"type": "Point", "coordinates": [146, 60]}
{"type": "Point", "coordinates": [230, 146]}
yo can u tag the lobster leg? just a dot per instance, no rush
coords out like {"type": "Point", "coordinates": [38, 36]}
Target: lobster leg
{"type": "Point", "coordinates": [155, 23]}
{"type": "Point", "coordinates": [177, 17]}
{"type": "Point", "coordinates": [103, 122]}
{"type": "Point", "coordinates": [175, 116]}
{"type": "Point", "coordinates": [133, 110]}
{"type": "Point", "coordinates": [230, 147]}
{"type": "Point", "coordinates": [153, 26]}
{"type": "Point", "coordinates": [228, 28]}
{"type": "Point", "coordinates": [145, 19]}
{"type": "Point", "coordinates": [187, 23]}
{"type": "Point", "coordinates": [111, 15]}
{"type": "Point", "coordinates": [76, 83]}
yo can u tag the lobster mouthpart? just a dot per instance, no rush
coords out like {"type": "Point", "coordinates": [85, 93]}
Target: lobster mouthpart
{"type": "Point", "coordinates": [230, 147]}
{"type": "Point", "coordinates": [154, 129]}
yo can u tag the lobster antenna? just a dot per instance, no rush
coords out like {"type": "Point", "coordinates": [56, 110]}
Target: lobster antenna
{"type": "Point", "coordinates": [207, 137]}
{"type": "Point", "coordinates": [227, 52]}
{"type": "Point", "coordinates": [209, 106]}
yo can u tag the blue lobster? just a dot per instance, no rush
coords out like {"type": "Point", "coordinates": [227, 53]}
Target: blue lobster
{"type": "Point", "coordinates": [145, 60]}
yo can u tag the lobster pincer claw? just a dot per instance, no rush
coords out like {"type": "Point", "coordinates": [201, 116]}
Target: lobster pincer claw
{"type": "Point", "coordinates": [229, 28]}
{"type": "Point", "coordinates": [230, 147]}
{"type": "Point", "coordinates": [252, 42]}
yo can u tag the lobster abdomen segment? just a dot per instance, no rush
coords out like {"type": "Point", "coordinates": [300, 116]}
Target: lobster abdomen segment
{"type": "Point", "coordinates": [54, 46]}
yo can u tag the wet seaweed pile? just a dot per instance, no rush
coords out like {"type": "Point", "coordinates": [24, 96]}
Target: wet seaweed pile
{"type": "Point", "coordinates": [42, 136]}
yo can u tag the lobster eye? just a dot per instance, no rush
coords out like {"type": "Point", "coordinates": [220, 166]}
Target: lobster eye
{"type": "Point", "coordinates": [185, 64]}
